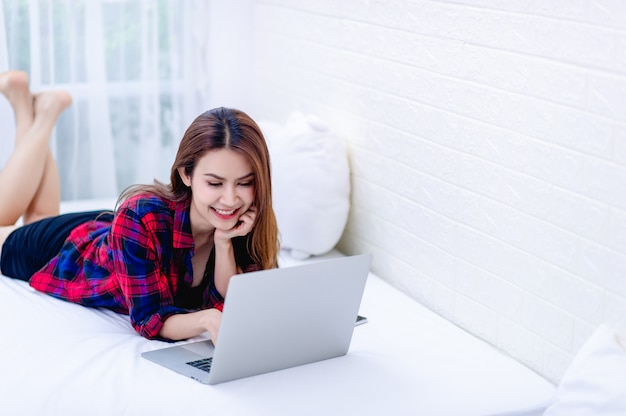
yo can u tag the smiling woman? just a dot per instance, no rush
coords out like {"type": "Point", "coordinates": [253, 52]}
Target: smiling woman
{"type": "Point", "coordinates": [166, 254]}
{"type": "Point", "coordinates": [221, 207]}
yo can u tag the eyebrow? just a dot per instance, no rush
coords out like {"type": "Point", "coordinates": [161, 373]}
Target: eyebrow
{"type": "Point", "coordinates": [213, 175]}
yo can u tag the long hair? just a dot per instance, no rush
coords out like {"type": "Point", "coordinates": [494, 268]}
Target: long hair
{"type": "Point", "coordinates": [224, 128]}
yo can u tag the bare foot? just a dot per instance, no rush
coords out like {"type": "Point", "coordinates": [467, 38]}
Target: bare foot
{"type": "Point", "coordinates": [14, 85]}
{"type": "Point", "coordinates": [52, 103]}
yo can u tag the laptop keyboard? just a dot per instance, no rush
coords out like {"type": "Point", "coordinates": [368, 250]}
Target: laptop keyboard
{"type": "Point", "coordinates": [203, 364]}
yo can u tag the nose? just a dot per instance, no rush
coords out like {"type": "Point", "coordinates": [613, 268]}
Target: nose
{"type": "Point", "coordinates": [229, 197]}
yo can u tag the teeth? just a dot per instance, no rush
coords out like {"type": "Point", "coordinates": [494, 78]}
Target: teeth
{"type": "Point", "coordinates": [222, 212]}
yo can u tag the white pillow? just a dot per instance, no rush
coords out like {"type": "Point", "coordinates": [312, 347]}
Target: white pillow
{"type": "Point", "coordinates": [310, 184]}
{"type": "Point", "coordinates": [595, 382]}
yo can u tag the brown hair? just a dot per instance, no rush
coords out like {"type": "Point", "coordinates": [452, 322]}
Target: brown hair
{"type": "Point", "coordinates": [224, 128]}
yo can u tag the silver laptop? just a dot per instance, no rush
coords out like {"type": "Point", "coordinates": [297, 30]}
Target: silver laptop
{"type": "Point", "coordinates": [277, 319]}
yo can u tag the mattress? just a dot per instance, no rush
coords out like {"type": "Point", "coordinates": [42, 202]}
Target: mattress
{"type": "Point", "coordinates": [61, 358]}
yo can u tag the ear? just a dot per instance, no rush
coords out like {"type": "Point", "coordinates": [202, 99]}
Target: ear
{"type": "Point", "coordinates": [186, 178]}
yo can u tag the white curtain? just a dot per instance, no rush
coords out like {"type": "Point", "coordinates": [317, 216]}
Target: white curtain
{"type": "Point", "coordinates": [136, 70]}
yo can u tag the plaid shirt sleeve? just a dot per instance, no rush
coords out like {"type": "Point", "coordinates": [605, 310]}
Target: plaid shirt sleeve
{"type": "Point", "coordinates": [137, 241]}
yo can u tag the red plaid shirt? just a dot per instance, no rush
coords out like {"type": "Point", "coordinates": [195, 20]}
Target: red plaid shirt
{"type": "Point", "coordinates": [135, 264]}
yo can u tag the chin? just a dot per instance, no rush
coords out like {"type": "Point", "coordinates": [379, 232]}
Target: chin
{"type": "Point", "coordinates": [224, 225]}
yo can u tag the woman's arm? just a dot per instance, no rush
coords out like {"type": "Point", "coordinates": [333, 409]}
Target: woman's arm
{"type": "Point", "coordinates": [225, 265]}
{"type": "Point", "coordinates": [138, 233]}
{"type": "Point", "coordinates": [187, 325]}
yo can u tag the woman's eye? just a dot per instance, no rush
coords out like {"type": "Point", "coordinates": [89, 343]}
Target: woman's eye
{"type": "Point", "coordinates": [215, 184]}
{"type": "Point", "coordinates": [245, 184]}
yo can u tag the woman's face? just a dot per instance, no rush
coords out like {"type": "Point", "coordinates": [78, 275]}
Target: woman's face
{"type": "Point", "coordinates": [222, 187]}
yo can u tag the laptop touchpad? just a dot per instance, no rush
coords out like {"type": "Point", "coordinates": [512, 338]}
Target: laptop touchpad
{"type": "Point", "coordinates": [204, 348]}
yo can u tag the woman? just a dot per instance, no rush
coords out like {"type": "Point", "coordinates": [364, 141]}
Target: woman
{"type": "Point", "coordinates": [167, 253]}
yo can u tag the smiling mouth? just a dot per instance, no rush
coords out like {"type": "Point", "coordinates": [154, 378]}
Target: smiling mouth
{"type": "Point", "coordinates": [225, 214]}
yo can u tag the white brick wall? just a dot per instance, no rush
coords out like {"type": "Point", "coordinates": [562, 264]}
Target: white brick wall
{"type": "Point", "coordinates": [488, 149]}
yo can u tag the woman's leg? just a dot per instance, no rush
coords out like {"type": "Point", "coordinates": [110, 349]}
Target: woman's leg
{"type": "Point", "coordinates": [14, 86]}
{"type": "Point", "coordinates": [48, 106]}
{"type": "Point", "coordinates": [30, 176]}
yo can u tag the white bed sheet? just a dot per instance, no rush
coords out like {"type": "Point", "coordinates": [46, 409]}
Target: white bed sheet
{"type": "Point", "coordinates": [61, 358]}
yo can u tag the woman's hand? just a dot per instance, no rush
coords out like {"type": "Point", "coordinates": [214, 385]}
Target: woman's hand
{"type": "Point", "coordinates": [213, 319]}
{"type": "Point", "coordinates": [188, 325]}
{"type": "Point", "coordinates": [243, 227]}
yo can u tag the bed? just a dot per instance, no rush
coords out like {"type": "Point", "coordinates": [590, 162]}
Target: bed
{"type": "Point", "coordinates": [62, 358]}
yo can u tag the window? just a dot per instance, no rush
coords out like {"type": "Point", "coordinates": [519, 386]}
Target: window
{"type": "Point", "coordinates": [137, 75]}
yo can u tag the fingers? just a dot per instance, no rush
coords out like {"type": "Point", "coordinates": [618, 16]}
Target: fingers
{"type": "Point", "coordinates": [245, 223]}
{"type": "Point", "coordinates": [247, 220]}
{"type": "Point", "coordinates": [215, 319]}
{"type": "Point", "coordinates": [212, 319]}
{"type": "Point", "coordinates": [244, 226]}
